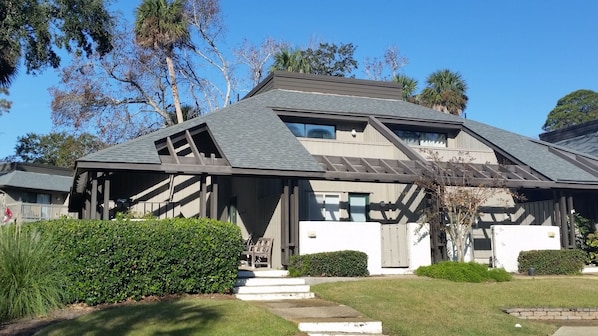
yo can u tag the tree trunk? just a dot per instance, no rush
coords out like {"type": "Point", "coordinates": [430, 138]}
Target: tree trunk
{"type": "Point", "coordinates": [175, 90]}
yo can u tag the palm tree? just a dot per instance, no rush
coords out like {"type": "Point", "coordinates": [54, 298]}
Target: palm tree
{"type": "Point", "coordinates": [162, 26]}
{"type": "Point", "coordinates": [9, 57]}
{"type": "Point", "coordinates": [289, 60]}
{"type": "Point", "coordinates": [445, 92]}
{"type": "Point", "coordinates": [409, 85]}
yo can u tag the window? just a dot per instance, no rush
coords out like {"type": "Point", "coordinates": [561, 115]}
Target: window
{"type": "Point", "coordinates": [429, 139]}
{"type": "Point", "coordinates": [359, 207]}
{"type": "Point", "coordinates": [312, 130]}
{"type": "Point", "coordinates": [324, 207]}
{"type": "Point", "coordinates": [31, 197]}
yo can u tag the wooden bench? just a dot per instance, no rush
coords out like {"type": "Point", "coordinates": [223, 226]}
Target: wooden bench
{"type": "Point", "coordinates": [260, 253]}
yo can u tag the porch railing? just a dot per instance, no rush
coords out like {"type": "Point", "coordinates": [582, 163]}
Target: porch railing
{"type": "Point", "coordinates": [30, 212]}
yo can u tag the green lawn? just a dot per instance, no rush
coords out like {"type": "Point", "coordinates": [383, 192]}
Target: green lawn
{"type": "Point", "coordinates": [421, 306]}
{"type": "Point", "coordinates": [406, 306]}
{"type": "Point", "coordinates": [189, 316]}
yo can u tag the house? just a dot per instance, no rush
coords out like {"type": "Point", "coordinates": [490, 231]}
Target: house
{"type": "Point", "coordinates": [321, 163]}
{"type": "Point", "coordinates": [34, 191]}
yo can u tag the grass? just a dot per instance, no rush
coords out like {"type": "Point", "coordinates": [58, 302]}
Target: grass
{"type": "Point", "coordinates": [406, 306]}
{"type": "Point", "coordinates": [188, 316]}
{"type": "Point", "coordinates": [420, 306]}
{"type": "Point", "coordinates": [30, 284]}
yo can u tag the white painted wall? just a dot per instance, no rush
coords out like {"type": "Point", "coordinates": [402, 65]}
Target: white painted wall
{"type": "Point", "coordinates": [418, 238]}
{"type": "Point", "coordinates": [327, 236]}
{"type": "Point", "coordinates": [320, 236]}
{"type": "Point", "coordinates": [509, 240]}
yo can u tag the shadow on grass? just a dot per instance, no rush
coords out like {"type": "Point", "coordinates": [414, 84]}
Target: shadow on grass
{"type": "Point", "coordinates": [161, 318]}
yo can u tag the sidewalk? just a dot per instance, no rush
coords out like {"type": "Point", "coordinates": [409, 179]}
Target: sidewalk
{"type": "Point", "coordinates": [577, 331]}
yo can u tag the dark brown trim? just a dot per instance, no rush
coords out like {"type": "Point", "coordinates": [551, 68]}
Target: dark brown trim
{"type": "Point", "coordinates": [573, 160]}
{"type": "Point", "coordinates": [394, 139]}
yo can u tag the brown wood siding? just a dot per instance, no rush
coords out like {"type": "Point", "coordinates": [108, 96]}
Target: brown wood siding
{"type": "Point", "coordinates": [328, 84]}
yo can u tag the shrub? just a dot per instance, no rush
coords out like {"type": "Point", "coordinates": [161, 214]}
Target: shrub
{"type": "Point", "coordinates": [552, 261]}
{"type": "Point", "coordinates": [30, 282]}
{"type": "Point", "coordinates": [331, 264]}
{"type": "Point", "coordinates": [111, 261]}
{"type": "Point", "coordinates": [463, 272]}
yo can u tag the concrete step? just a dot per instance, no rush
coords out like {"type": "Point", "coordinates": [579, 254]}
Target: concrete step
{"type": "Point", "coordinates": [258, 273]}
{"type": "Point", "coordinates": [269, 281]}
{"type": "Point", "coordinates": [271, 289]}
{"type": "Point", "coordinates": [347, 326]}
{"type": "Point", "coordinates": [275, 296]}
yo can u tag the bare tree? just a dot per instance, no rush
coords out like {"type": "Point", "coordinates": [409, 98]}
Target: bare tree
{"type": "Point", "coordinates": [375, 68]}
{"type": "Point", "coordinates": [205, 19]}
{"type": "Point", "coordinates": [117, 97]}
{"type": "Point", "coordinates": [256, 57]}
{"type": "Point", "coordinates": [458, 196]}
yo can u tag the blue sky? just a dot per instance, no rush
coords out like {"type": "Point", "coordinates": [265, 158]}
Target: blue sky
{"type": "Point", "coordinates": [517, 57]}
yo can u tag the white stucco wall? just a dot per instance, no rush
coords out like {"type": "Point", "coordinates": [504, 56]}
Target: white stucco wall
{"type": "Point", "coordinates": [418, 239]}
{"type": "Point", "coordinates": [509, 240]}
{"type": "Point", "coordinates": [321, 236]}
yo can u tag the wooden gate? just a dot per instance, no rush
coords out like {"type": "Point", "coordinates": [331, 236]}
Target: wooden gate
{"type": "Point", "coordinates": [395, 251]}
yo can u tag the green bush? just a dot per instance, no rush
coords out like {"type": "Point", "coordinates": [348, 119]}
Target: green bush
{"type": "Point", "coordinates": [30, 282]}
{"type": "Point", "coordinates": [110, 261]}
{"type": "Point", "coordinates": [331, 264]}
{"type": "Point", "coordinates": [463, 272]}
{"type": "Point", "coordinates": [552, 261]}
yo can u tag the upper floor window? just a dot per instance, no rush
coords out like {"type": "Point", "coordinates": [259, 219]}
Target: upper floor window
{"type": "Point", "coordinates": [429, 139]}
{"type": "Point", "coordinates": [312, 130]}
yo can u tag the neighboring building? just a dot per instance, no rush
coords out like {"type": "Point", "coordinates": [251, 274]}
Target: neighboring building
{"type": "Point", "coordinates": [34, 191]}
{"type": "Point", "coordinates": [582, 138]}
{"type": "Point", "coordinates": [321, 163]}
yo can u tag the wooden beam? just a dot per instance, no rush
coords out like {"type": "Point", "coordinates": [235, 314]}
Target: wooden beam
{"type": "Point", "coordinates": [348, 164]}
{"type": "Point", "coordinates": [171, 150]}
{"type": "Point", "coordinates": [193, 147]}
{"type": "Point", "coordinates": [525, 174]}
{"type": "Point", "coordinates": [368, 166]}
{"type": "Point", "coordinates": [391, 170]}
{"type": "Point", "coordinates": [573, 161]}
{"type": "Point", "coordinates": [395, 140]}
{"type": "Point", "coordinates": [328, 163]}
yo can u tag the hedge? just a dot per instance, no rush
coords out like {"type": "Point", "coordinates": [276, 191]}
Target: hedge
{"type": "Point", "coordinates": [552, 261]}
{"type": "Point", "coordinates": [111, 261]}
{"type": "Point", "coordinates": [463, 272]}
{"type": "Point", "coordinates": [331, 264]}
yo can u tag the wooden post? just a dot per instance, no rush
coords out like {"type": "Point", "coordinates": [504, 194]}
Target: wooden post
{"type": "Point", "coordinates": [294, 216]}
{"type": "Point", "coordinates": [94, 197]}
{"type": "Point", "coordinates": [214, 198]}
{"type": "Point", "coordinates": [106, 191]}
{"type": "Point", "coordinates": [284, 223]}
{"type": "Point", "coordinates": [571, 212]}
{"type": "Point", "coordinates": [563, 217]}
{"type": "Point", "coordinates": [202, 196]}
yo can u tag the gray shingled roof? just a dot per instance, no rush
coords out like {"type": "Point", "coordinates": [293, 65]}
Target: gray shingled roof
{"type": "Point", "coordinates": [29, 180]}
{"type": "Point", "coordinates": [587, 143]}
{"type": "Point", "coordinates": [251, 135]}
